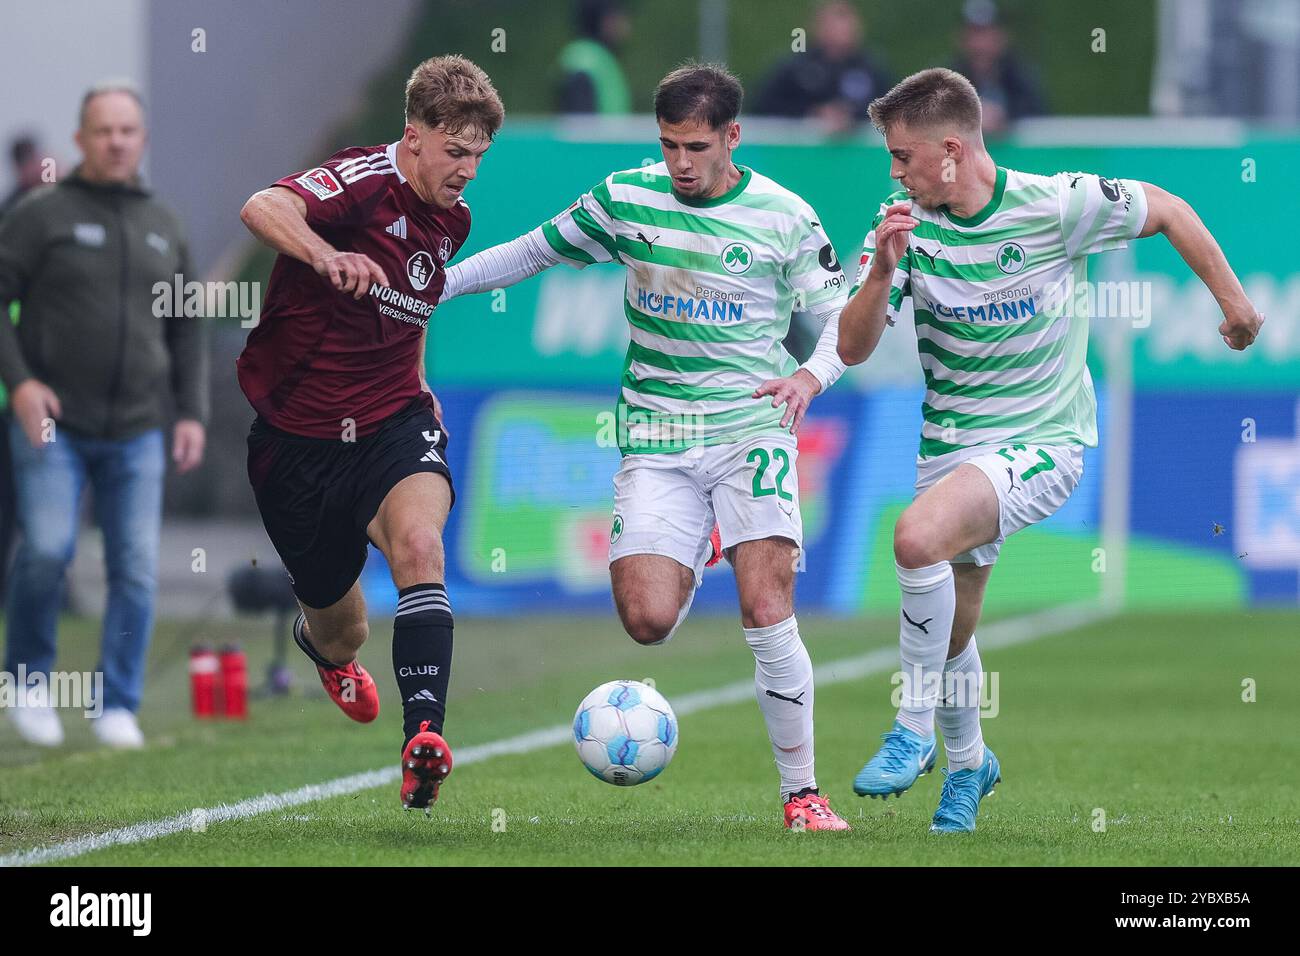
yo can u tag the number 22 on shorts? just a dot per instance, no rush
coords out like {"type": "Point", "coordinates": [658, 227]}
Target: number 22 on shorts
{"type": "Point", "coordinates": [761, 456]}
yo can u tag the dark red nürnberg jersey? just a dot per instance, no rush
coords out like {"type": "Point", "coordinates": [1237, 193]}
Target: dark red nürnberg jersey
{"type": "Point", "coordinates": [318, 357]}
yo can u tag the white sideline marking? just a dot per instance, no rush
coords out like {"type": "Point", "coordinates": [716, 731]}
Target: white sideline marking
{"type": "Point", "coordinates": [1015, 630]}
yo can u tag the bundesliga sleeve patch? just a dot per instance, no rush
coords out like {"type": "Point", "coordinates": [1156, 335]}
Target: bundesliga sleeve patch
{"type": "Point", "coordinates": [321, 182]}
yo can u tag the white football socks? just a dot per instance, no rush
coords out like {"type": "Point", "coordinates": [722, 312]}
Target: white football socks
{"type": "Point", "coordinates": [925, 626]}
{"type": "Point", "coordinates": [783, 683]}
{"type": "Point", "coordinates": [958, 714]}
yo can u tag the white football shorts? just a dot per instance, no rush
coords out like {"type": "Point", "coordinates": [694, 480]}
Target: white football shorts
{"type": "Point", "coordinates": [667, 503]}
{"type": "Point", "coordinates": [1032, 483]}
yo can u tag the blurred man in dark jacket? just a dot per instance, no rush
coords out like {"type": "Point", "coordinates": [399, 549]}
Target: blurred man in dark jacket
{"type": "Point", "coordinates": [27, 175]}
{"type": "Point", "coordinates": [1007, 87]}
{"type": "Point", "coordinates": [834, 80]}
{"type": "Point", "coordinates": [87, 368]}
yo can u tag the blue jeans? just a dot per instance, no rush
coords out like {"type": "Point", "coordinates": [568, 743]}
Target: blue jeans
{"type": "Point", "coordinates": [127, 478]}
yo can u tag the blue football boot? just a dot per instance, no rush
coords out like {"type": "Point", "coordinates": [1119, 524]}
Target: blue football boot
{"type": "Point", "coordinates": [895, 767]}
{"type": "Point", "coordinates": [962, 792]}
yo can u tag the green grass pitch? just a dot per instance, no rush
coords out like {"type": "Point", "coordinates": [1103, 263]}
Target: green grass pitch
{"type": "Point", "coordinates": [1140, 717]}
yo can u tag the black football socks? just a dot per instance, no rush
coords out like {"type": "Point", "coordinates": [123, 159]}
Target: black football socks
{"type": "Point", "coordinates": [422, 655]}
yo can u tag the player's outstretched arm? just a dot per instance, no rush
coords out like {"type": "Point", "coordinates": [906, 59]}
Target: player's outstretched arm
{"type": "Point", "coordinates": [1172, 216]}
{"type": "Point", "coordinates": [277, 216]}
{"type": "Point", "coordinates": [501, 266]}
{"type": "Point", "coordinates": [863, 320]}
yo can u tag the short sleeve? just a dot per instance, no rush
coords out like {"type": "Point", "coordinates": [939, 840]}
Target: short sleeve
{"type": "Point", "coordinates": [900, 283]}
{"type": "Point", "coordinates": [584, 233]}
{"type": "Point", "coordinates": [1098, 214]}
{"type": "Point", "coordinates": [814, 273]}
{"type": "Point", "coordinates": [343, 189]}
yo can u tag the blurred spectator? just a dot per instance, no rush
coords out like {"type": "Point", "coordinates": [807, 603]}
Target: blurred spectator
{"type": "Point", "coordinates": [835, 80]}
{"type": "Point", "coordinates": [1008, 89]}
{"type": "Point", "coordinates": [27, 173]}
{"type": "Point", "coordinates": [593, 80]}
{"type": "Point", "coordinates": [27, 170]}
{"type": "Point", "coordinates": [86, 368]}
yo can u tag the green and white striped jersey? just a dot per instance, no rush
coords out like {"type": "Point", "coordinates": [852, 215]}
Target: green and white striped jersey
{"type": "Point", "coordinates": [1002, 307]}
{"type": "Point", "coordinates": [710, 287]}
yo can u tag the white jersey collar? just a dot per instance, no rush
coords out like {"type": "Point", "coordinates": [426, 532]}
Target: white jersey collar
{"type": "Point", "coordinates": [392, 158]}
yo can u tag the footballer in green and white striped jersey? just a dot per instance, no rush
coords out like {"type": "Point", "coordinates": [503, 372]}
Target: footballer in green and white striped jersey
{"type": "Point", "coordinates": [711, 284]}
{"type": "Point", "coordinates": [1001, 326]}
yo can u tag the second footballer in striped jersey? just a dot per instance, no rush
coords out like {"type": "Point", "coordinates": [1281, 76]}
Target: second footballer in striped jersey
{"type": "Point", "coordinates": [717, 258]}
{"type": "Point", "coordinates": [994, 261]}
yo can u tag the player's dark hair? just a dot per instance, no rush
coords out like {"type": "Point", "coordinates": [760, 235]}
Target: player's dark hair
{"type": "Point", "coordinates": [931, 98]}
{"type": "Point", "coordinates": [707, 92]}
{"type": "Point", "coordinates": [454, 93]}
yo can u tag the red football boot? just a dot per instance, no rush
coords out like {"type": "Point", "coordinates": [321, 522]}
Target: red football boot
{"type": "Point", "coordinates": [348, 685]}
{"type": "Point", "coordinates": [715, 541]}
{"type": "Point", "coordinates": [352, 689]}
{"type": "Point", "coordinates": [426, 762]}
{"type": "Point", "coordinates": [812, 812]}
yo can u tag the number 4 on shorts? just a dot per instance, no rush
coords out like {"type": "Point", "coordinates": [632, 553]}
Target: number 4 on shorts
{"type": "Point", "coordinates": [761, 456]}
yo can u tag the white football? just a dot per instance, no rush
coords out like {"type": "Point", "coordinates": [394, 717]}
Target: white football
{"type": "Point", "coordinates": [625, 732]}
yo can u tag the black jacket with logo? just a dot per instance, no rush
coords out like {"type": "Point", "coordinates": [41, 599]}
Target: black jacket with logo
{"type": "Point", "coordinates": [83, 259]}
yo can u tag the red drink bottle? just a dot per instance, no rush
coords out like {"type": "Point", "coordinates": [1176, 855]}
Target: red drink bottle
{"type": "Point", "coordinates": [234, 682]}
{"type": "Point", "coordinates": [203, 681]}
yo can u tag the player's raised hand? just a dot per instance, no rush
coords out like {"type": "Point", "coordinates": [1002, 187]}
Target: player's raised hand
{"type": "Point", "coordinates": [796, 392]}
{"type": "Point", "coordinates": [891, 237]}
{"type": "Point", "coordinates": [1240, 325]}
{"type": "Point", "coordinates": [350, 272]}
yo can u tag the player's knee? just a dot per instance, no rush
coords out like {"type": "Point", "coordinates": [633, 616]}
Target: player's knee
{"type": "Point", "coordinates": [765, 610]}
{"type": "Point", "coordinates": [417, 552]}
{"type": "Point", "coordinates": [914, 545]}
{"type": "Point", "coordinates": [648, 623]}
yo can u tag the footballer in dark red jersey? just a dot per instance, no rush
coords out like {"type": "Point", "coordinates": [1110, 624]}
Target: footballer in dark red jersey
{"type": "Point", "coordinates": [347, 446]}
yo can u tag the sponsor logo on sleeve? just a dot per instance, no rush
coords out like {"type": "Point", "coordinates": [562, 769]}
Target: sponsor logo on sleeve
{"type": "Point", "coordinates": [320, 182]}
{"type": "Point", "coordinates": [829, 261]}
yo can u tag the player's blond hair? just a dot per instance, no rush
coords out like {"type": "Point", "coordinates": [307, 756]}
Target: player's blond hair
{"type": "Point", "coordinates": [453, 93]}
{"type": "Point", "coordinates": [934, 98]}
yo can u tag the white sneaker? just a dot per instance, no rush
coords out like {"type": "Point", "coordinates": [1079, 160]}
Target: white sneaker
{"type": "Point", "coordinates": [117, 728]}
{"type": "Point", "coordinates": [35, 720]}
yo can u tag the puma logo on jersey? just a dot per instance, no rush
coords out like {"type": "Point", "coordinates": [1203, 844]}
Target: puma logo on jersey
{"type": "Point", "coordinates": [921, 624]}
{"type": "Point", "coordinates": [1011, 477]}
{"type": "Point", "coordinates": [649, 243]}
{"type": "Point", "coordinates": [1074, 181]}
{"type": "Point", "coordinates": [929, 255]}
